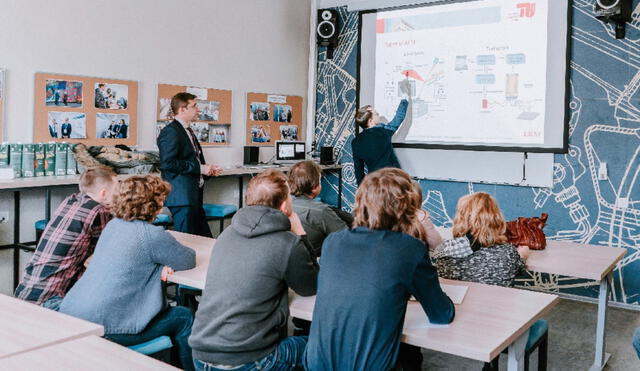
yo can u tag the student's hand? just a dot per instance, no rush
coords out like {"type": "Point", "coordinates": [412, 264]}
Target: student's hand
{"type": "Point", "coordinates": [524, 252]}
{"type": "Point", "coordinates": [296, 224]}
{"type": "Point", "coordinates": [87, 261]}
{"type": "Point", "coordinates": [166, 271]}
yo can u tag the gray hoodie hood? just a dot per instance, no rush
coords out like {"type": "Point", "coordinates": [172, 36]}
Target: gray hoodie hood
{"type": "Point", "coordinates": [253, 221]}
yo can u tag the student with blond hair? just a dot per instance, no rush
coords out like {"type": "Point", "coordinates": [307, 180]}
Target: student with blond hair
{"type": "Point", "coordinates": [69, 239]}
{"type": "Point", "coordinates": [121, 289]}
{"type": "Point", "coordinates": [479, 223]}
{"type": "Point", "coordinates": [368, 274]}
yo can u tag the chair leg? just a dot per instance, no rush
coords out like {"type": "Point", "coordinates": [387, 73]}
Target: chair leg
{"type": "Point", "coordinates": [542, 353]}
{"type": "Point", "coordinates": [221, 225]}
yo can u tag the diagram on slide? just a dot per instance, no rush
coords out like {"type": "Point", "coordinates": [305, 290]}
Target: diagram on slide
{"type": "Point", "coordinates": [472, 75]}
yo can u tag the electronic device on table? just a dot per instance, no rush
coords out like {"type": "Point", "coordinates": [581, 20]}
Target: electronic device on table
{"type": "Point", "coordinates": [290, 151]}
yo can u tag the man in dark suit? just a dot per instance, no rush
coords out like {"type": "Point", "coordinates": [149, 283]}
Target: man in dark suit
{"type": "Point", "coordinates": [182, 165]}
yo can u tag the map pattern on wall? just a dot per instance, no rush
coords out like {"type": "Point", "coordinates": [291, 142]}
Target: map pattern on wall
{"type": "Point", "coordinates": [604, 128]}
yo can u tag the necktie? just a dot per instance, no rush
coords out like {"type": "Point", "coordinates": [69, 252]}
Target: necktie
{"type": "Point", "coordinates": [196, 148]}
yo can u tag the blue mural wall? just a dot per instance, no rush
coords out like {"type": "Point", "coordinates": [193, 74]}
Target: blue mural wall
{"type": "Point", "coordinates": [604, 127]}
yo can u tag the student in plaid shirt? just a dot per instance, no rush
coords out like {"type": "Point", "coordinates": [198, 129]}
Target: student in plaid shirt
{"type": "Point", "coordinates": [68, 240]}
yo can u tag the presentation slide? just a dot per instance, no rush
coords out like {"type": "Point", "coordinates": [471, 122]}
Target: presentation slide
{"type": "Point", "coordinates": [477, 73]}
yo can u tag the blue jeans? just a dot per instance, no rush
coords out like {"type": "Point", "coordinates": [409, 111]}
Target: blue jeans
{"type": "Point", "coordinates": [636, 341]}
{"type": "Point", "coordinates": [174, 322]}
{"type": "Point", "coordinates": [288, 355]}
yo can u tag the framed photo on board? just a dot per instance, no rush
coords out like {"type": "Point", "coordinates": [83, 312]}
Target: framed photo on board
{"type": "Point", "coordinates": [272, 117]}
{"type": "Point", "coordinates": [214, 117]}
{"type": "Point", "coordinates": [90, 110]}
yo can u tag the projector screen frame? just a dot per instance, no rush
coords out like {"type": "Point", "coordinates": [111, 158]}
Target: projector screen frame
{"type": "Point", "coordinates": [475, 147]}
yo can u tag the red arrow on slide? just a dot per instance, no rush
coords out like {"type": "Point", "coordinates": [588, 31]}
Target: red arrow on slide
{"type": "Point", "coordinates": [412, 73]}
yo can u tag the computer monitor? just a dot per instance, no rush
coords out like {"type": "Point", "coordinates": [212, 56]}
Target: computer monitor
{"type": "Point", "coordinates": [288, 151]}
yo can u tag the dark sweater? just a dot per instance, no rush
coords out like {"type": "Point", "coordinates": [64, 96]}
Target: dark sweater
{"type": "Point", "coordinates": [373, 146]}
{"type": "Point", "coordinates": [366, 279]}
{"type": "Point", "coordinates": [245, 299]}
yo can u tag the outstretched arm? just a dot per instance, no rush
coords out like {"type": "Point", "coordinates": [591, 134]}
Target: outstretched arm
{"type": "Point", "coordinates": [401, 112]}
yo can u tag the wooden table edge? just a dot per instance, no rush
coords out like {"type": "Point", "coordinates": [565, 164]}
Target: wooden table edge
{"type": "Point", "coordinates": [98, 331]}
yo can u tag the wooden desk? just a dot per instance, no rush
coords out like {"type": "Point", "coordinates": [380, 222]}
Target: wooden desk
{"type": "Point", "coordinates": [87, 353]}
{"type": "Point", "coordinates": [490, 319]}
{"type": "Point", "coordinates": [202, 245]}
{"type": "Point", "coordinates": [591, 262]}
{"type": "Point", "coordinates": [25, 327]}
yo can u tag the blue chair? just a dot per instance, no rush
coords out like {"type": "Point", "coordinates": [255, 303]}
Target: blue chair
{"type": "Point", "coordinates": [538, 338]}
{"type": "Point", "coordinates": [40, 226]}
{"type": "Point", "coordinates": [219, 212]}
{"type": "Point", "coordinates": [186, 297]}
{"type": "Point", "coordinates": [153, 346]}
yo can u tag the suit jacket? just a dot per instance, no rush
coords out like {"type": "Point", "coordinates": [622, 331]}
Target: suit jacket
{"type": "Point", "coordinates": [179, 165]}
{"type": "Point", "coordinates": [65, 129]}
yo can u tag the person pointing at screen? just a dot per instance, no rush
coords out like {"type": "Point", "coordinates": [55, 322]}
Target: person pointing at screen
{"type": "Point", "coordinates": [372, 147]}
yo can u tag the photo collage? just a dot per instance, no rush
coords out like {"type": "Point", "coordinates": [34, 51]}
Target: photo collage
{"type": "Point", "coordinates": [271, 118]}
{"type": "Point", "coordinates": [214, 113]}
{"type": "Point", "coordinates": [85, 108]}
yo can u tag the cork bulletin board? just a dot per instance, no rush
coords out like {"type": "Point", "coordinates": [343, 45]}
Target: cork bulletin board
{"type": "Point", "coordinates": [89, 110]}
{"type": "Point", "coordinates": [214, 121]}
{"type": "Point", "coordinates": [272, 117]}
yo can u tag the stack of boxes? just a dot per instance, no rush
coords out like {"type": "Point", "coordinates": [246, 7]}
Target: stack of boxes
{"type": "Point", "coordinates": [38, 159]}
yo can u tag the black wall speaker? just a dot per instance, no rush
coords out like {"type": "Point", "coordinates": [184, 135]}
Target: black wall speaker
{"type": "Point", "coordinates": [617, 12]}
{"type": "Point", "coordinates": [251, 155]}
{"type": "Point", "coordinates": [326, 155]}
{"type": "Point", "coordinates": [328, 29]}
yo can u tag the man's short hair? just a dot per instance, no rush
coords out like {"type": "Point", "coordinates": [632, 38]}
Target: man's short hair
{"type": "Point", "coordinates": [100, 85]}
{"type": "Point", "coordinates": [304, 177]}
{"type": "Point", "coordinates": [363, 115]}
{"type": "Point", "coordinates": [181, 100]}
{"type": "Point", "coordinates": [96, 176]}
{"type": "Point", "coordinates": [267, 189]}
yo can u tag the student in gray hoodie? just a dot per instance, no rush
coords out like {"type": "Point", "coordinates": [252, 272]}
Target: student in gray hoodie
{"type": "Point", "coordinates": [244, 303]}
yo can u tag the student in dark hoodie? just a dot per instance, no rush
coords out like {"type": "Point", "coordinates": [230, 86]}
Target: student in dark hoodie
{"type": "Point", "coordinates": [244, 304]}
{"type": "Point", "coordinates": [373, 146]}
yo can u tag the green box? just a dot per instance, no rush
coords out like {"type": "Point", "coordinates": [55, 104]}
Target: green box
{"type": "Point", "coordinates": [4, 154]}
{"type": "Point", "coordinates": [71, 160]}
{"type": "Point", "coordinates": [50, 159]}
{"type": "Point", "coordinates": [40, 158]}
{"type": "Point", "coordinates": [61, 158]}
{"type": "Point", "coordinates": [15, 158]}
{"type": "Point", "coordinates": [28, 160]}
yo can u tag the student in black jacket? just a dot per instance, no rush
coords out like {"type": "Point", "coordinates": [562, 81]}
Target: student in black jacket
{"type": "Point", "coordinates": [373, 146]}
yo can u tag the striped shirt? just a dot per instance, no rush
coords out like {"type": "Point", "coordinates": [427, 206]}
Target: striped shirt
{"type": "Point", "coordinates": [67, 241]}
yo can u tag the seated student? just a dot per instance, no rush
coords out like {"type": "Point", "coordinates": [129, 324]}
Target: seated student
{"type": "Point", "coordinates": [244, 304]}
{"type": "Point", "coordinates": [480, 223]}
{"type": "Point", "coordinates": [68, 240]}
{"type": "Point", "coordinates": [121, 288]}
{"type": "Point", "coordinates": [636, 341]}
{"type": "Point", "coordinates": [317, 218]}
{"type": "Point", "coordinates": [367, 276]}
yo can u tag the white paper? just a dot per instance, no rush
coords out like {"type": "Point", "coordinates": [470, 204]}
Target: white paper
{"type": "Point", "coordinates": [418, 319]}
{"type": "Point", "coordinates": [277, 98]}
{"type": "Point", "coordinates": [455, 292]}
{"type": "Point", "coordinates": [200, 93]}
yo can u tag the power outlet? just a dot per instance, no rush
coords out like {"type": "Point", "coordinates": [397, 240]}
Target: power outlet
{"type": "Point", "coordinates": [4, 217]}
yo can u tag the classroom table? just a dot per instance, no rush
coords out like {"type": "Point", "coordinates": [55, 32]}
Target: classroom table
{"type": "Point", "coordinates": [489, 320]}
{"type": "Point", "coordinates": [194, 277]}
{"type": "Point", "coordinates": [26, 326]}
{"type": "Point", "coordinates": [591, 262]}
{"type": "Point", "coordinates": [86, 353]}
{"type": "Point", "coordinates": [49, 182]}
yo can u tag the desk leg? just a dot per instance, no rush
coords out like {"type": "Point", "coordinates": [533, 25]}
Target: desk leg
{"type": "Point", "coordinates": [603, 300]}
{"type": "Point", "coordinates": [47, 204]}
{"type": "Point", "coordinates": [516, 352]}
{"type": "Point", "coordinates": [240, 190]}
{"type": "Point", "coordinates": [16, 238]}
{"type": "Point", "coordinates": [340, 188]}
